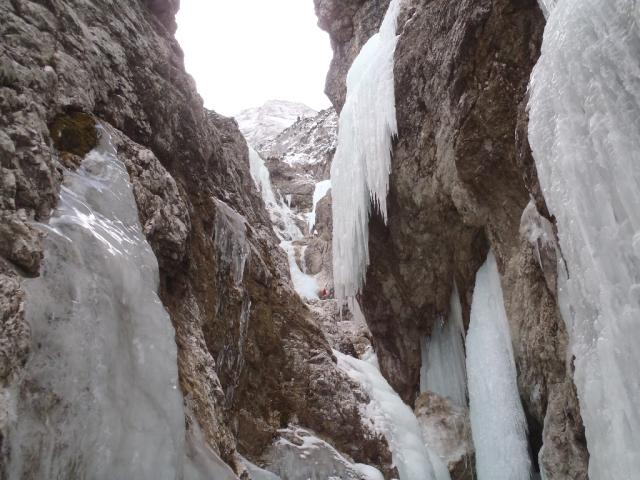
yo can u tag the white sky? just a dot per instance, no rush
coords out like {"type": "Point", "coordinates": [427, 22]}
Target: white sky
{"type": "Point", "coordinates": [245, 52]}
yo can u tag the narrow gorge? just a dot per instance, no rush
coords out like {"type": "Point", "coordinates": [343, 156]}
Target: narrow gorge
{"type": "Point", "coordinates": [437, 277]}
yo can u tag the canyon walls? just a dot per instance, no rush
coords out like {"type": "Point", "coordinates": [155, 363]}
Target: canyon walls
{"type": "Point", "coordinates": [461, 177]}
{"type": "Point", "coordinates": [250, 358]}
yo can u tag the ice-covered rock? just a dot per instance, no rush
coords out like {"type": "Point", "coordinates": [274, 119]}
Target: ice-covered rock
{"type": "Point", "coordinates": [298, 454]}
{"type": "Point", "coordinates": [447, 431]}
{"type": "Point", "coordinates": [390, 416]}
{"type": "Point", "coordinates": [100, 396]}
{"type": "Point", "coordinates": [584, 133]}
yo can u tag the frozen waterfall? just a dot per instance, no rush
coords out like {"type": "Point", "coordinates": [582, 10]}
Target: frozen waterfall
{"type": "Point", "coordinates": [284, 226]}
{"type": "Point", "coordinates": [361, 166]}
{"type": "Point", "coordinates": [585, 135]}
{"type": "Point", "coordinates": [99, 398]}
{"type": "Point", "coordinates": [498, 423]}
{"type": "Point", "coordinates": [443, 357]}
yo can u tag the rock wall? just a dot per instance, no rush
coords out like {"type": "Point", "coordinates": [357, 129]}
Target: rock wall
{"type": "Point", "coordinates": [251, 359]}
{"type": "Point", "coordinates": [462, 175]}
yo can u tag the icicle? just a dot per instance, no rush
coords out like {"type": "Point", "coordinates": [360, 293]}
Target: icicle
{"type": "Point", "coordinates": [443, 358]}
{"type": "Point", "coordinates": [584, 131]}
{"type": "Point", "coordinates": [100, 398]}
{"type": "Point", "coordinates": [498, 424]}
{"type": "Point", "coordinates": [360, 169]}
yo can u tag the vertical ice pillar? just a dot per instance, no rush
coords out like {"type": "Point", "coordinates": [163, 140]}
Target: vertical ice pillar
{"type": "Point", "coordinates": [443, 358]}
{"type": "Point", "coordinates": [584, 131]}
{"type": "Point", "coordinates": [361, 166]}
{"type": "Point", "coordinates": [498, 423]}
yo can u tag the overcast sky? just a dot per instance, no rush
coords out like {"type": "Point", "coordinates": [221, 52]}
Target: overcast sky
{"type": "Point", "coordinates": [244, 52]}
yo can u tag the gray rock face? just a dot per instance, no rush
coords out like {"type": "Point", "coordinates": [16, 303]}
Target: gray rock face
{"type": "Point", "coordinates": [350, 23]}
{"type": "Point", "coordinates": [462, 174]}
{"type": "Point", "coordinates": [250, 356]}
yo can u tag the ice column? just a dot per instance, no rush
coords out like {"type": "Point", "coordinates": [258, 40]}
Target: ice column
{"type": "Point", "coordinates": [361, 166]}
{"type": "Point", "coordinates": [443, 358]}
{"type": "Point", "coordinates": [498, 423]}
{"type": "Point", "coordinates": [584, 131]}
{"type": "Point", "coordinates": [100, 397]}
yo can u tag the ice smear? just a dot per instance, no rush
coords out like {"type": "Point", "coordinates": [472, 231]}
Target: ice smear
{"type": "Point", "coordinates": [319, 193]}
{"type": "Point", "coordinates": [361, 166]}
{"type": "Point", "coordinates": [231, 246]}
{"type": "Point", "coordinates": [99, 397]}
{"type": "Point", "coordinates": [443, 357]}
{"type": "Point", "coordinates": [584, 132]}
{"type": "Point", "coordinates": [391, 417]}
{"type": "Point", "coordinates": [498, 424]}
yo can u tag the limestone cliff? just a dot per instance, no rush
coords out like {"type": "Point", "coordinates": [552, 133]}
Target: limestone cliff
{"type": "Point", "coordinates": [251, 359]}
{"type": "Point", "coordinates": [462, 175]}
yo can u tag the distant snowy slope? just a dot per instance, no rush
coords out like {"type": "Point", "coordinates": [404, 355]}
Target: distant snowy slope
{"type": "Point", "coordinates": [264, 123]}
{"type": "Point", "coordinates": [308, 141]}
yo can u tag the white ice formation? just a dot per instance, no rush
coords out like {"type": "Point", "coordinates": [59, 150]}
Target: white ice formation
{"type": "Point", "coordinates": [361, 166]}
{"type": "Point", "coordinates": [284, 225]}
{"type": "Point", "coordinates": [498, 424]}
{"type": "Point", "coordinates": [584, 131]}
{"type": "Point", "coordinates": [99, 397]}
{"type": "Point", "coordinates": [443, 357]}
{"type": "Point", "coordinates": [391, 417]}
{"type": "Point", "coordinates": [319, 192]}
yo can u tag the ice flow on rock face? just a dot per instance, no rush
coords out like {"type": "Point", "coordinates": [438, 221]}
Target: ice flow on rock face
{"type": "Point", "coordinates": [443, 357]}
{"type": "Point", "coordinates": [584, 131]}
{"type": "Point", "coordinates": [100, 397]}
{"type": "Point", "coordinates": [498, 424]}
{"type": "Point", "coordinates": [361, 166]}
{"type": "Point", "coordinates": [284, 225]}
{"type": "Point", "coordinates": [319, 192]}
{"type": "Point", "coordinates": [391, 417]}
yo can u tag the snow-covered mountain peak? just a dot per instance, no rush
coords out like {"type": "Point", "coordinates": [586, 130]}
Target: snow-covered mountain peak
{"type": "Point", "coordinates": [264, 123]}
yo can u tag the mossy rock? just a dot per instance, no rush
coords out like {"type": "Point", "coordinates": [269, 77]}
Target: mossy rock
{"type": "Point", "coordinates": [74, 133]}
